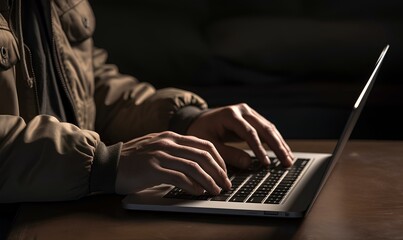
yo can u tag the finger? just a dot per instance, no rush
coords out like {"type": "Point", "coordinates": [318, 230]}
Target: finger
{"type": "Point", "coordinates": [204, 160]}
{"type": "Point", "coordinates": [283, 142]}
{"type": "Point", "coordinates": [204, 145]}
{"type": "Point", "coordinates": [234, 156]}
{"type": "Point", "coordinates": [272, 137]}
{"type": "Point", "coordinates": [249, 134]}
{"type": "Point", "coordinates": [180, 180]}
{"type": "Point", "coordinates": [198, 150]}
{"type": "Point", "coordinates": [191, 170]}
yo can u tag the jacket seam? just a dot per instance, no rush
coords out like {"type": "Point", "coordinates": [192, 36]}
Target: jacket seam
{"type": "Point", "coordinates": [71, 7]}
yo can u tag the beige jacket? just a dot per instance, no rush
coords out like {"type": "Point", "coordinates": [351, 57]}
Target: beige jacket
{"type": "Point", "coordinates": [42, 159]}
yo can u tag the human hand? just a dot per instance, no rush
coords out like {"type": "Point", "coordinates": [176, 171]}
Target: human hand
{"type": "Point", "coordinates": [187, 162]}
{"type": "Point", "coordinates": [223, 124]}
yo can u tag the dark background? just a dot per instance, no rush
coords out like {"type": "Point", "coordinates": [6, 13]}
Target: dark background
{"type": "Point", "coordinates": [300, 63]}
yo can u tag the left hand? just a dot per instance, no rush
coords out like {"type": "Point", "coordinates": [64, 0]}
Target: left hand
{"type": "Point", "coordinates": [222, 124]}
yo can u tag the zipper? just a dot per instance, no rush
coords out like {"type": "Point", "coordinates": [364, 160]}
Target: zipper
{"type": "Point", "coordinates": [29, 78]}
{"type": "Point", "coordinates": [21, 45]}
{"type": "Point", "coordinates": [32, 80]}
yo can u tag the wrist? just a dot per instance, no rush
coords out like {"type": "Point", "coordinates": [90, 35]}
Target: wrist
{"type": "Point", "coordinates": [183, 119]}
{"type": "Point", "coordinates": [104, 168]}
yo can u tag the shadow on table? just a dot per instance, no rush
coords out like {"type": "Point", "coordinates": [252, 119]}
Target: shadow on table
{"type": "Point", "coordinates": [104, 215]}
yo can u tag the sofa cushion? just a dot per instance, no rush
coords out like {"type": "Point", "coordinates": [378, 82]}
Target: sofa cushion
{"type": "Point", "coordinates": [301, 47]}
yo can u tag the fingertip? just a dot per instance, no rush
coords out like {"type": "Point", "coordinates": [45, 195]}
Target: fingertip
{"type": "Point", "coordinates": [289, 161]}
{"type": "Point", "coordinates": [266, 161]}
{"type": "Point", "coordinates": [224, 180]}
{"type": "Point", "coordinates": [228, 184]}
{"type": "Point", "coordinates": [216, 191]}
{"type": "Point", "coordinates": [262, 153]}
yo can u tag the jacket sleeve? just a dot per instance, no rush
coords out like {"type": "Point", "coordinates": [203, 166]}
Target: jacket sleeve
{"type": "Point", "coordinates": [127, 108]}
{"type": "Point", "coordinates": [46, 160]}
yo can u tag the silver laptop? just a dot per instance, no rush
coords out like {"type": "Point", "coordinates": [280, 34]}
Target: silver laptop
{"type": "Point", "coordinates": [271, 192]}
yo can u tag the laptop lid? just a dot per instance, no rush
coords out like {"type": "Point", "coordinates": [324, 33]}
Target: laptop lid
{"type": "Point", "coordinates": [352, 120]}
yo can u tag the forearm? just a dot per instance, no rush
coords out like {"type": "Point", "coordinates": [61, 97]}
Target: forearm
{"type": "Point", "coordinates": [46, 160]}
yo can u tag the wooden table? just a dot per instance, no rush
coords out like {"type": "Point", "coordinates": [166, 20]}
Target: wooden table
{"type": "Point", "coordinates": [363, 199]}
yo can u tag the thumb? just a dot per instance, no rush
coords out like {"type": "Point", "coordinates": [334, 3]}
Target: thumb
{"type": "Point", "coordinates": [234, 156]}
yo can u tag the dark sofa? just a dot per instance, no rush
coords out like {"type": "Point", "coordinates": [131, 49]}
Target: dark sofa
{"type": "Point", "coordinates": [301, 63]}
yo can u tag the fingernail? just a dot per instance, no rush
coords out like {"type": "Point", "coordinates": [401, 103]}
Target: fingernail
{"type": "Point", "coordinates": [218, 191]}
{"type": "Point", "coordinates": [228, 183]}
{"type": "Point", "coordinates": [291, 159]}
{"type": "Point", "coordinates": [267, 160]}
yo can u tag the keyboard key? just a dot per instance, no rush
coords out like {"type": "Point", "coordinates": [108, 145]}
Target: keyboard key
{"type": "Point", "coordinates": [237, 199]}
{"type": "Point", "coordinates": [248, 186]}
{"type": "Point", "coordinates": [221, 198]}
{"type": "Point", "coordinates": [256, 199]}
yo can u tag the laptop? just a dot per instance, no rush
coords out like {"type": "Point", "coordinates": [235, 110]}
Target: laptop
{"type": "Point", "coordinates": [272, 192]}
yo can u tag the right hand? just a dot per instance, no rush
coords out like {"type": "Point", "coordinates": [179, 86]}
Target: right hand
{"type": "Point", "coordinates": [187, 162]}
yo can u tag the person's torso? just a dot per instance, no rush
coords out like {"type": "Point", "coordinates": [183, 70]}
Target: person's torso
{"type": "Point", "coordinates": [72, 25]}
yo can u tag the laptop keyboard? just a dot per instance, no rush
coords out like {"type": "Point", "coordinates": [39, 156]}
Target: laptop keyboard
{"type": "Point", "coordinates": [257, 185]}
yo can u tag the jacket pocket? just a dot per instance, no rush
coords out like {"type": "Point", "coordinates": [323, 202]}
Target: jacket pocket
{"type": "Point", "coordinates": [8, 47]}
{"type": "Point", "coordinates": [77, 19]}
{"type": "Point", "coordinates": [9, 57]}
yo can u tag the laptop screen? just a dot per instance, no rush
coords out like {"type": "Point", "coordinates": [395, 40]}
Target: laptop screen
{"type": "Point", "coordinates": [352, 120]}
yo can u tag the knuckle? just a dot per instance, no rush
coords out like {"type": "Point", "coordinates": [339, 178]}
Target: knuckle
{"type": "Point", "coordinates": [243, 106]}
{"type": "Point", "coordinates": [155, 166]}
{"type": "Point", "coordinates": [205, 155]}
{"type": "Point", "coordinates": [163, 143]}
{"type": "Point", "coordinates": [208, 144]}
{"type": "Point", "coordinates": [190, 138]}
{"type": "Point", "coordinates": [192, 165]}
{"type": "Point", "coordinates": [158, 153]}
{"type": "Point", "coordinates": [252, 132]}
{"type": "Point", "coordinates": [164, 133]}
{"type": "Point", "coordinates": [161, 154]}
{"type": "Point", "coordinates": [270, 127]}
{"type": "Point", "coordinates": [245, 109]}
{"type": "Point", "coordinates": [167, 134]}
{"type": "Point", "coordinates": [231, 111]}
